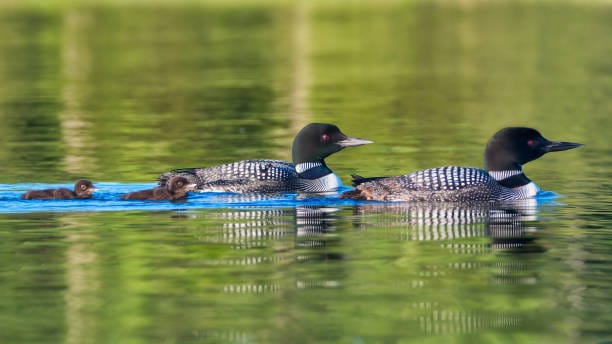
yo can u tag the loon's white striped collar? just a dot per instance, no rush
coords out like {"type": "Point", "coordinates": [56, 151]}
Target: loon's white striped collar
{"type": "Point", "coordinates": [501, 175]}
{"type": "Point", "coordinates": [305, 166]}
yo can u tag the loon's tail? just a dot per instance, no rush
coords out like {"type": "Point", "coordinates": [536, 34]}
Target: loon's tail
{"type": "Point", "coordinates": [188, 173]}
{"type": "Point", "coordinates": [356, 194]}
{"type": "Point", "coordinates": [363, 191]}
{"type": "Point", "coordinates": [357, 179]}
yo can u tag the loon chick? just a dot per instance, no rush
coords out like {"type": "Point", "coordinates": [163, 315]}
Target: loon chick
{"type": "Point", "coordinates": [502, 179]}
{"type": "Point", "coordinates": [83, 188]}
{"type": "Point", "coordinates": [308, 173]}
{"type": "Point", "coordinates": [176, 188]}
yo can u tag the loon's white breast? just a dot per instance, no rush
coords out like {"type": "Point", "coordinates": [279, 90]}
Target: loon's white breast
{"type": "Point", "coordinates": [528, 190]}
{"type": "Point", "coordinates": [328, 182]}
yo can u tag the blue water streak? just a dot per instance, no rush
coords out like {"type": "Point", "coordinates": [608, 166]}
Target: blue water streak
{"type": "Point", "coordinates": [107, 198]}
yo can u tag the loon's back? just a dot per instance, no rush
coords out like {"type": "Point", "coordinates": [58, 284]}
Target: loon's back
{"type": "Point", "coordinates": [242, 176]}
{"type": "Point", "coordinates": [442, 184]}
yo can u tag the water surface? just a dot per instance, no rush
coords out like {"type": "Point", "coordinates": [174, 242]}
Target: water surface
{"type": "Point", "coordinates": [120, 93]}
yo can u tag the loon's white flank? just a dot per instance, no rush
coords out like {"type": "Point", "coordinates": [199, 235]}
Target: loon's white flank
{"type": "Point", "coordinates": [529, 190]}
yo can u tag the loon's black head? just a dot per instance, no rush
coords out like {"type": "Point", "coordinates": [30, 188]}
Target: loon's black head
{"type": "Point", "coordinates": [510, 148]}
{"type": "Point", "coordinates": [316, 141]}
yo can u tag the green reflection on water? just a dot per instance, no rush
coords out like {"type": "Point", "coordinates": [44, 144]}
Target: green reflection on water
{"type": "Point", "coordinates": [122, 93]}
{"type": "Point", "coordinates": [283, 275]}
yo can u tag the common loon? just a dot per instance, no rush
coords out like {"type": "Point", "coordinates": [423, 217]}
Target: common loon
{"type": "Point", "coordinates": [176, 188]}
{"type": "Point", "coordinates": [307, 173]}
{"type": "Point", "coordinates": [83, 188]}
{"type": "Point", "coordinates": [502, 179]}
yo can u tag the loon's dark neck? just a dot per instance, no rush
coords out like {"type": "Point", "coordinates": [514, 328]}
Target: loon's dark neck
{"type": "Point", "coordinates": [312, 170]}
{"type": "Point", "coordinates": [510, 178]}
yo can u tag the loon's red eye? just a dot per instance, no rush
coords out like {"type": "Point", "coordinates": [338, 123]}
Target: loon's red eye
{"type": "Point", "coordinates": [324, 137]}
{"type": "Point", "coordinates": [530, 142]}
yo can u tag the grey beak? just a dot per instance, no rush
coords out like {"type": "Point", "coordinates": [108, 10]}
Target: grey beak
{"type": "Point", "coordinates": [560, 146]}
{"type": "Point", "coordinates": [353, 141]}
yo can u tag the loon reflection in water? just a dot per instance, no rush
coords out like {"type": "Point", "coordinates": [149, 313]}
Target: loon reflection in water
{"type": "Point", "coordinates": [302, 234]}
{"type": "Point", "coordinates": [504, 223]}
{"type": "Point", "coordinates": [510, 229]}
{"type": "Point", "coordinates": [308, 235]}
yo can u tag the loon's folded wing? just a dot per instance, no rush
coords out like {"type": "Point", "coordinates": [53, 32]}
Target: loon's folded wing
{"type": "Point", "coordinates": [357, 179]}
{"type": "Point", "coordinates": [452, 183]}
{"type": "Point", "coordinates": [241, 176]}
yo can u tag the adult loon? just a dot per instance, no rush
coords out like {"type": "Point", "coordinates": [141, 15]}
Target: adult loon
{"type": "Point", "coordinates": [308, 173]}
{"type": "Point", "coordinates": [503, 178]}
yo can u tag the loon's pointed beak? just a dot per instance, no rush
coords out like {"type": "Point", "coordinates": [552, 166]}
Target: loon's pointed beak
{"type": "Point", "coordinates": [191, 187]}
{"type": "Point", "coordinates": [560, 146]}
{"type": "Point", "coordinates": [353, 141]}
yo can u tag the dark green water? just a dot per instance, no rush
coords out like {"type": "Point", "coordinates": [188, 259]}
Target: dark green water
{"type": "Point", "coordinates": [121, 93]}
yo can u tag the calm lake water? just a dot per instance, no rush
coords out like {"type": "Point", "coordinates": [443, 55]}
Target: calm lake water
{"type": "Point", "coordinates": [120, 93]}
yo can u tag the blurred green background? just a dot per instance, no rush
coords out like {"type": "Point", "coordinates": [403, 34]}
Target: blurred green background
{"type": "Point", "coordinates": [121, 91]}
